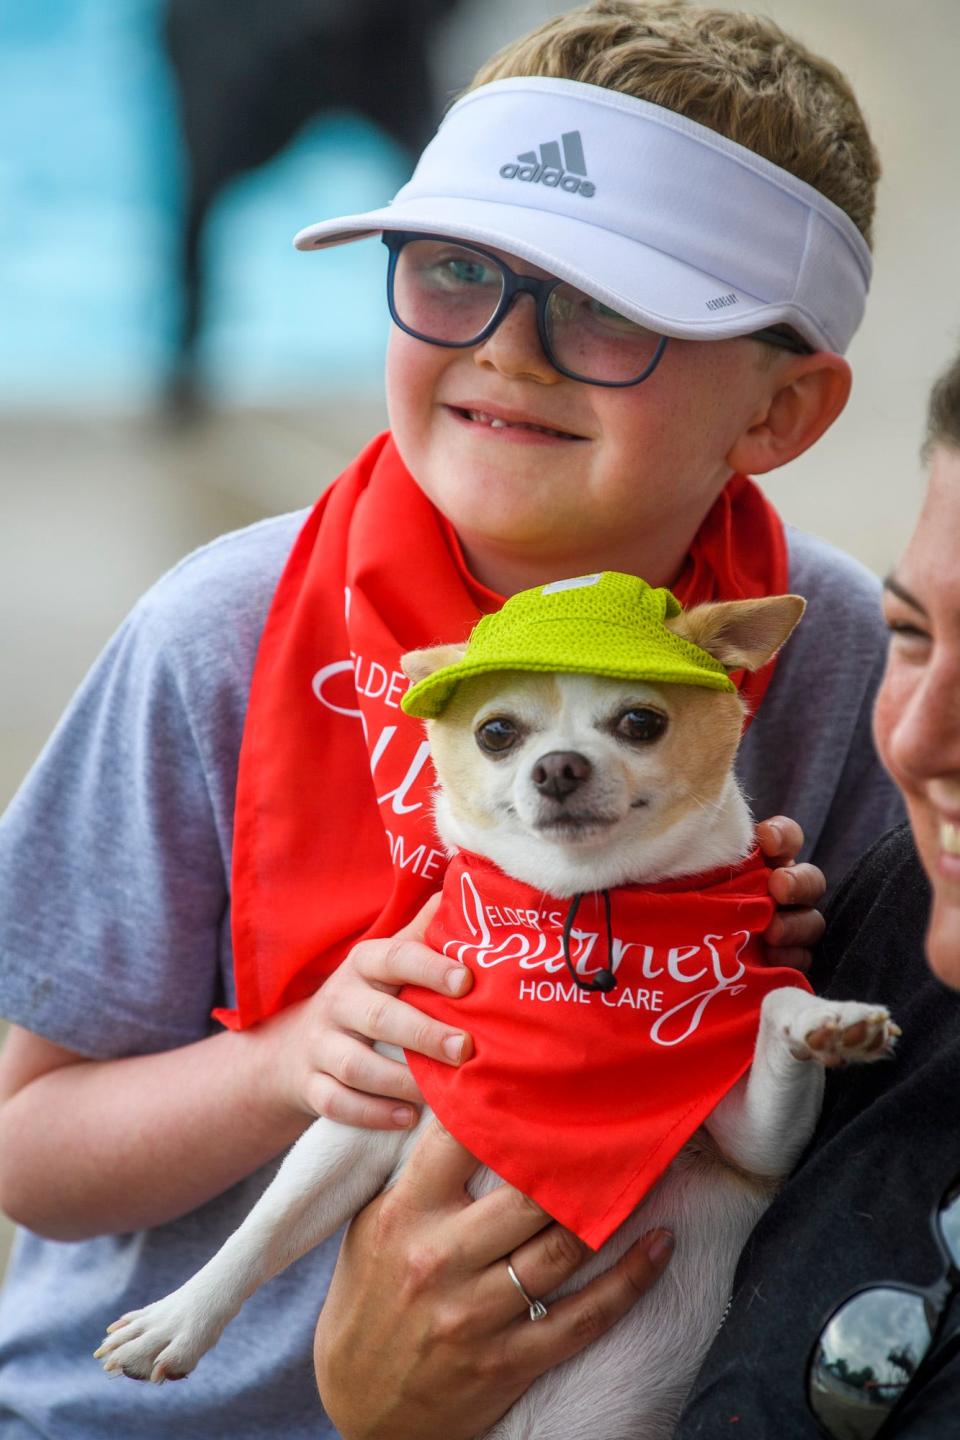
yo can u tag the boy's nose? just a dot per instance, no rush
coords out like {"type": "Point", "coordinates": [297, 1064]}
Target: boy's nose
{"type": "Point", "coordinates": [514, 347]}
{"type": "Point", "coordinates": [558, 773]}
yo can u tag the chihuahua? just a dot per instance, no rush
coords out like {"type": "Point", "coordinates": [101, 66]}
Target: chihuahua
{"type": "Point", "coordinates": [574, 783]}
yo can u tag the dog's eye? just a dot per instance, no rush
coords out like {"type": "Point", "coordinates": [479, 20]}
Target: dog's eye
{"type": "Point", "coordinates": [641, 725]}
{"type": "Point", "coordinates": [497, 736]}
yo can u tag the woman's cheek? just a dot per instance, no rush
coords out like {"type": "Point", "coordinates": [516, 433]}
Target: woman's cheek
{"type": "Point", "coordinates": [887, 707]}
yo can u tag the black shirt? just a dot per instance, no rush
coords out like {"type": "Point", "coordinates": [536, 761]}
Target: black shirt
{"type": "Point", "coordinates": [857, 1209]}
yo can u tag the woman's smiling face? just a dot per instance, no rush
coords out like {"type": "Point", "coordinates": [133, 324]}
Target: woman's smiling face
{"type": "Point", "coordinates": [917, 716]}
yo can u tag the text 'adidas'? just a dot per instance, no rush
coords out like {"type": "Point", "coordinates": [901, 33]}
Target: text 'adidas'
{"type": "Point", "coordinates": [547, 168]}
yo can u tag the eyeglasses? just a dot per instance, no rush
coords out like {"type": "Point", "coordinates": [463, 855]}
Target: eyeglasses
{"type": "Point", "coordinates": [873, 1346]}
{"type": "Point", "coordinates": [456, 295]}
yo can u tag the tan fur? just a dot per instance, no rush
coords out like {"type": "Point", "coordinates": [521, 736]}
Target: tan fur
{"type": "Point", "coordinates": [639, 811]}
{"type": "Point", "coordinates": [418, 664]}
{"type": "Point", "coordinates": [653, 801]}
{"type": "Point", "coordinates": [462, 768]}
{"type": "Point", "coordinates": [699, 747]}
{"type": "Point", "coordinates": [741, 634]}
{"type": "Point", "coordinates": [692, 760]}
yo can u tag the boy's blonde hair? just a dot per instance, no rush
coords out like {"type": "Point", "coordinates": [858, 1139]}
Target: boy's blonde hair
{"type": "Point", "coordinates": [739, 74]}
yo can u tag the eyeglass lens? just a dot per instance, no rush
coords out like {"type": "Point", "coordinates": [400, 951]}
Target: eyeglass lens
{"type": "Point", "coordinates": [450, 293]}
{"type": "Point", "coordinates": [948, 1222]}
{"type": "Point", "coordinates": [869, 1352]}
{"type": "Point", "coordinates": [866, 1358]}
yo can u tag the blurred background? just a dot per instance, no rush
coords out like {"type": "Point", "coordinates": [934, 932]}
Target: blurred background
{"type": "Point", "coordinates": [170, 368]}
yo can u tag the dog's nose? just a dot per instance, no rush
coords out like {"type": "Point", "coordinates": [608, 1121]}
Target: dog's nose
{"type": "Point", "coordinates": [560, 772]}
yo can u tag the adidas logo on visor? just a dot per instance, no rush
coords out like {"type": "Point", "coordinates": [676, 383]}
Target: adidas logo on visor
{"type": "Point", "coordinates": [548, 168]}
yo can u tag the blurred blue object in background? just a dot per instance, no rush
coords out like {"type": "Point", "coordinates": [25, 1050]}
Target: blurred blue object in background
{"type": "Point", "coordinates": [90, 204]}
{"type": "Point", "coordinates": [282, 321]}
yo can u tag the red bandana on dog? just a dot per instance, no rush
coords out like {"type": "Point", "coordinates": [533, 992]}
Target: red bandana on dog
{"type": "Point", "coordinates": [581, 1099]}
{"type": "Point", "coordinates": [334, 840]}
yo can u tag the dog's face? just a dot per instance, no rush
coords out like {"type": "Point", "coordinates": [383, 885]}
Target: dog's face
{"type": "Point", "coordinates": [577, 775]}
{"type": "Point", "coordinates": [576, 782]}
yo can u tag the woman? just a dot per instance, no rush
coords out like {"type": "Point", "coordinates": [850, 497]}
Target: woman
{"type": "Point", "coordinates": [857, 1212]}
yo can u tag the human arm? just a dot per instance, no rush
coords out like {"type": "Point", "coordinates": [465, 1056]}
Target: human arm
{"type": "Point", "coordinates": [115, 925]}
{"type": "Point", "coordinates": [91, 1147]}
{"type": "Point", "coordinates": [423, 1335]}
{"type": "Point", "coordinates": [94, 1147]}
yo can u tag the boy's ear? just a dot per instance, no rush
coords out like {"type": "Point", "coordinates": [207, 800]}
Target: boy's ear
{"type": "Point", "coordinates": [741, 634]}
{"type": "Point", "coordinates": [807, 394]}
{"type": "Point", "coordinates": [418, 664]}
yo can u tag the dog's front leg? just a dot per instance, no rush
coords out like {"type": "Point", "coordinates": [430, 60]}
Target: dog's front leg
{"type": "Point", "coordinates": [330, 1173]}
{"type": "Point", "coordinates": [764, 1122]}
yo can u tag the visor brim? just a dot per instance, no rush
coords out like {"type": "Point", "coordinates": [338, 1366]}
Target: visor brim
{"type": "Point", "coordinates": [651, 287]}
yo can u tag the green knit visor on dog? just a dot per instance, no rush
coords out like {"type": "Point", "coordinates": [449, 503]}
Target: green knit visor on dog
{"type": "Point", "coordinates": [607, 624]}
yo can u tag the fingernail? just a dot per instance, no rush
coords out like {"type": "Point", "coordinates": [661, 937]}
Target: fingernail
{"type": "Point", "coordinates": [453, 1048]}
{"type": "Point", "coordinates": [403, 1117]}
{"type": "Point", "coordinates": [661, 1248]}
{"type": "Point", "coordinates": [775, 831]}
{"type": "Point", "coordinates": [791, 884]}
{"type": "Point", "coordinates": [457, 979]}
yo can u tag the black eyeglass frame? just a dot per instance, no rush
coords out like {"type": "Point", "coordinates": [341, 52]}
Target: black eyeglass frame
{"type": "Point", "coordinates": [935, 1298]}
{"type": "Point", "coordinates": [514, 285]}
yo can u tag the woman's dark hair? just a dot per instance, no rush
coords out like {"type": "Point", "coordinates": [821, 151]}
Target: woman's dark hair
{"type": "Point", "coordinates": [943, 415]}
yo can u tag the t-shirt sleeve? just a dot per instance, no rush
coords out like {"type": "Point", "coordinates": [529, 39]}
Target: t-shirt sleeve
{"type": "Point", "coordinates": [115, 853]}
{"type": "Point", "coordinates": [809, 752]}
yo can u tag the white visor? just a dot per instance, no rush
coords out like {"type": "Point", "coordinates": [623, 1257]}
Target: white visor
{"type": "Point", "coordinates": [661, 218]}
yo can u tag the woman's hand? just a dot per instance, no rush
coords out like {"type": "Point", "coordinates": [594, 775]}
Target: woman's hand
{"type": "Point", "coordinates": [320, 1051]}
{"type": "Point", "coordinates": [797, 889]}
{"type": "Point", "coordinates": [423, 1335]}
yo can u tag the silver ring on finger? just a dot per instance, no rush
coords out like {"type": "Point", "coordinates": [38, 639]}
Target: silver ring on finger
{"type": "Point", "coordinates": [538, 1311]}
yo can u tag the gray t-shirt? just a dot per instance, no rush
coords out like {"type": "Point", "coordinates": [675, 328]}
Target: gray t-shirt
{"type": "Point", "coordinates": [115, 940]}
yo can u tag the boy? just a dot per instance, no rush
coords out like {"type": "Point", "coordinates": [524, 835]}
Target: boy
{"type": "Point", "coordinates": [549, 437]}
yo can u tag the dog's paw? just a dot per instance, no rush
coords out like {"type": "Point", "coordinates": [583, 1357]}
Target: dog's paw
{"type": "Point", "coordinates": [842, 1032]}
{"type": "Point", "coordinates": [162, 1342]}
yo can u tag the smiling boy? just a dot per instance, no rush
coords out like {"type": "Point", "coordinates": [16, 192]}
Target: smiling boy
{"type": "Point", "coordinates": [613, 474]}
{"type": "Point", "coordinates": [142, 883]}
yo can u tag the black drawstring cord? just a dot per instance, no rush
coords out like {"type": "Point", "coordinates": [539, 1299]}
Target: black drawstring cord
{"type": "Point", "coordinates": [606, 980]}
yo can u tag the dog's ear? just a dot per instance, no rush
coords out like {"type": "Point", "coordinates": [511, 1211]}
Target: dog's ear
{"type": "Point", "coordinates": [418, 664]}
{"type": "Point", "coordinates": [741, 634]}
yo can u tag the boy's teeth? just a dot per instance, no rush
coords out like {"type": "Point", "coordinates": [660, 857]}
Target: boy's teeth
{"type": "Point", "coordinates": [495, 423]}
{"type": "Point", "coordinates": [950, 837]}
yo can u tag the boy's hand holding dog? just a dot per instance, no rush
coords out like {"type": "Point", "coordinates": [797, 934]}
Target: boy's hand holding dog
{"type": "Point", "coordinates": [323, 1058]}
{"type": "Point", "coordinates": [797, 889]}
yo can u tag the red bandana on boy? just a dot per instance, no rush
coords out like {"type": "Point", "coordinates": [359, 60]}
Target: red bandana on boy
{"type": "Point", "coordinates": [334, 840]}
{"type": "Point", "coordinates": [581, 1099]}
